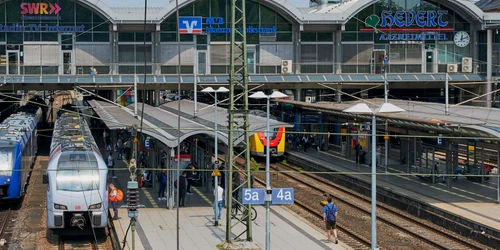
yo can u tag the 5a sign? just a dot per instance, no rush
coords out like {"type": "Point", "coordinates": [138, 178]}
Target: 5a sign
{"type": "Point", "coordinates": [254, 196]}
{"type": "Point", "coordinates": [39, 8]}
{"type": "Point", "coordinates": [190, 25]}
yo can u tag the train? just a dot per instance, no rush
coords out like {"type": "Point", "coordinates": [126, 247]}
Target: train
{"type": "Point", "coordinates": [18, 149]}
{"type": "Point", "coordinates": [258, 140]}
{"type": "Point", "coordinates": [76, 178]}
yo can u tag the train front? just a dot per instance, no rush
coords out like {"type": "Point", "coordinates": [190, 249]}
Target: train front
{"type": "Point", "coordinates": [10, 176]}
{"type": "Point", "coordinates": [76, 191]}
{"type": "Point", "coordinates": [258, 143]}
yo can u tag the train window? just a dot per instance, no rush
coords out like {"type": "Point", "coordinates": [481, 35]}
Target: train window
{"type": "Point", "coordinates": [77, 157]}
{"type": "Point", "coordinates": [6, 161]}
{"type": "Point", "coordinates": [73, 180]}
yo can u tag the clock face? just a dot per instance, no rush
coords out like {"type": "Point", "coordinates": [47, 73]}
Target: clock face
{"type": "Point", "coordinates": [461, 39]}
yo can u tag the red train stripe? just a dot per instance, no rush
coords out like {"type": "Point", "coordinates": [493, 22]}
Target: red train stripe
{"type": "Point", "coordinates": [275, 141]}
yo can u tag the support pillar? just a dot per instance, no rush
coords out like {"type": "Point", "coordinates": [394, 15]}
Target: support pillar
{"type": "Point", "coordinates": [299, 94]}
{"type": "Point", "coordinates": [489, 68]}
{"type": "Point", "coordinates": [338, 94]}
{"type": "Point", "coordinates": [157, 97]}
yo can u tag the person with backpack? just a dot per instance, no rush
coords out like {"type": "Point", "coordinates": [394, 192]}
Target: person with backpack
{"type": "Point", "coordinates": [111, 165]}
{"type": "Point", "coordinates": [162, 179]}
{"type": "Point", "coordinates": [115, 195]}
{"type": "Point", "coordinates": [330, 213]}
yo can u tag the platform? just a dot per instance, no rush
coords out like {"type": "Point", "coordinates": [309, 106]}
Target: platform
{"type": "Point", "coordinates": [156, 229]}
{"type": "Point", "coordinates": [474, 201]}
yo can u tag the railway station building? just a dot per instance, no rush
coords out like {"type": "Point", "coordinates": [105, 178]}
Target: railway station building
{"type": "Point", "coordinates": [340, 43]}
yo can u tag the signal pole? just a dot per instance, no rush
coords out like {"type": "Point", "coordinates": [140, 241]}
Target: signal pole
{"type": "Point", "coordinates": [132, 186]}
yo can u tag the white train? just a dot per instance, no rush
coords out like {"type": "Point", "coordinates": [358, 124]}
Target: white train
{"type": "Point", "coordinates": [76, 178]}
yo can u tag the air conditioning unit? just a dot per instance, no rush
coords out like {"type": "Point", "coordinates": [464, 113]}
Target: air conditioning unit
{"type": "Point", "coordinates": [286, 67]}
{"type": "Point", "coordinates": [452, 68]}
{"type": "Point", "coordinates": [466, 64]}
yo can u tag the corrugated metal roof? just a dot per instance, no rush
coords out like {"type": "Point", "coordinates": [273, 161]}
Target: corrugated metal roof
{"type": "Point", "coordinates": [488, 5]}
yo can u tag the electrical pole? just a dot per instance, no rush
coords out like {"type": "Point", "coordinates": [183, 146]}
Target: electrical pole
{"type": "Point", "coordinates": [132, 199]}
{"type": "Point", "coordinates": [238, 117]}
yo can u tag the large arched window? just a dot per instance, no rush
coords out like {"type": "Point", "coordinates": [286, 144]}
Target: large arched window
{"type": "Point", "coordinates": [363, 48]}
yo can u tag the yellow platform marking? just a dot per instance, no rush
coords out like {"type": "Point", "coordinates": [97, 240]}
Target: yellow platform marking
{"type": "Point", "coordinates": [204, 197]}
{"type": "Point", "coordinates": [428, 185]}
{"type": "Point", "coordinates": [146, 192]}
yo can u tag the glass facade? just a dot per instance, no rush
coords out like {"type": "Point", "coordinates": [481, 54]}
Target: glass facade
{"type": "Point", "coordinates": [78, 40]}
{"type": "Point", "coordinates": [51, 42]}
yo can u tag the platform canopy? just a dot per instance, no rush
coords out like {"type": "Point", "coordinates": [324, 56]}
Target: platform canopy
{"type": "Point", "coordinates": [470, 121]}
{"type": "Point", "coordinates": [162, 122]}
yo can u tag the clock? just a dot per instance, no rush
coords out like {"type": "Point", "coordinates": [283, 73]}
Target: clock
{"type": "Point", "coordinates": [461, 39]}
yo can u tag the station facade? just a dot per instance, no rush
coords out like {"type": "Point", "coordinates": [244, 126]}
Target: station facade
{"type": "Point", "coordinates": [352, 37]}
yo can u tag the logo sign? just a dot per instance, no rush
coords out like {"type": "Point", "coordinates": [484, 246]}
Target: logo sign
{"type": "Point", "coordinates": [426, 23]}
{"type": "Point", "coordinates": [40, 11]}
{"type": "Point", "coordinates": [282, 196]}
{"type": "Point", "coordinates": [190, 25]}
{"type": "Point", "coordinates": [253, 196]}
{"type": "Point", "coordinates": [78, 207]}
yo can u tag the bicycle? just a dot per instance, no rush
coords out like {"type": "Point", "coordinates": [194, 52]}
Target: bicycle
{"type": "Point", "coordinates": [242, 212]}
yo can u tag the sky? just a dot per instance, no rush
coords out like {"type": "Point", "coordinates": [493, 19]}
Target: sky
{"type": "Point", "coordinates": [161, 3]}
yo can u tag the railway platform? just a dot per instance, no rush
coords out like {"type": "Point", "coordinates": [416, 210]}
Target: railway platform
{"type": "Point", "coordinates": [156, 225]}
{"type": "Point", "coordinates": [474, 201]}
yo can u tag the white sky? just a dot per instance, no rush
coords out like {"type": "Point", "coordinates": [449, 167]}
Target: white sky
{"type": "Point", "coordinates": [161, 3]}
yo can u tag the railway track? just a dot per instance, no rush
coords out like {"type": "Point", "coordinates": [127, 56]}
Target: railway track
{"type": "Point", "coordinates": [76, 244]}
{"type": "Point", "coordinates": [350, 238]}
{"type": "Point", "coordinates": [428, 233]}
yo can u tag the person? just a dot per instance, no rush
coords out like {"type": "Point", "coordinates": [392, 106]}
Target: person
{"type": "Point", "coordinates": [461, 170]}
{"type": "Point", "coordinates": [436, 171]}
{"type": "Point", "coordinates": [163, 159]}
{"type": "Point", "coordinates": [111, 164]}
{"type": "Point", "coordinates": [105, 137]}
{"type": "Point", "coordinates": [113, 200]}
{"type": "Point", "coordinates": [190, 176]}
{"type": "Point", "coordinates": [220, 195]}
{"type": "Point", "coordinates": [290, 141]}
{"type": "Point", "coordinates": [108, 148]}
{"type": "Point", "coordinates": [386, 64]}
{"type": "Point", "coordinates": [222, 175]}
{"type": "Point", "coordinates": [162, 179]}
{"type": "Point", "coordinates": [128, 149]}
{"type": "Point", "coordinates": [181, 188]}
{"type": "Point", "coordinates": [119, 146]}
{"type": "Point", "coordinates": [330, 215]}
{"type": "Point", "coordinates": [305, 141]}
{"type": "Point", "coordinates": [379, 153]}
{"type": "Point", "coordinates": [358, 149]}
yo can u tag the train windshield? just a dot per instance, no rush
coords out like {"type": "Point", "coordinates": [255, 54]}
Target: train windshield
{"type": "Point", "coordinates": [77, 176]}
{"type": "Point", "coordinates": [6, 161]}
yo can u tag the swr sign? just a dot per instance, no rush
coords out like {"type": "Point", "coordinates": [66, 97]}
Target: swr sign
{"type": "Point", "coordinates": [39, 8]}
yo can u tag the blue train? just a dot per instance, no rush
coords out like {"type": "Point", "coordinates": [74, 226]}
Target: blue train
{"type": "Point", "coordinates": [18, 148]}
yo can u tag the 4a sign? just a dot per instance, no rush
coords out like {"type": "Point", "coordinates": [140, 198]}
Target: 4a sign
{"type": "Point", "coordinates": [190, 25]}
{"type": "Point", "coordinates": [40, 11]}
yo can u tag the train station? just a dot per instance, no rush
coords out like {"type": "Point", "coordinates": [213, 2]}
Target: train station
{"type": "Point", "coordinates": [347, 124]}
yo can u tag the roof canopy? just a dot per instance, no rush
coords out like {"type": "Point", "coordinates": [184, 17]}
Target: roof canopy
{"type": "Point", "coordinates": [161, 122]}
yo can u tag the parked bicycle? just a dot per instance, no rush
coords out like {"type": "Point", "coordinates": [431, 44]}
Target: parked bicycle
{"type": "Point", "coordinates": [241, 212]}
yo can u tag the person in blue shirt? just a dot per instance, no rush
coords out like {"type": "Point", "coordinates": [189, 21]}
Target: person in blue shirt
{"type": "Point", "coordinates": [385, 60]}
{"type": "Point", "coordinates": [330, 213]}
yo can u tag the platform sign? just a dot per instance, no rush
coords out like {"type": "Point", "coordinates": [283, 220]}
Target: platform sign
{"type": "Point", "coordinates": [147, 144]}
{"type": "Point", "coordinates": [282, 196]}
{"type": "Point", "coordinates": [253, 196]}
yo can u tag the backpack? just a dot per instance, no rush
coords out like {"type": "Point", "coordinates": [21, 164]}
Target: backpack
{"type": "Point", "coordinates": [330, 215]}
{"type": "Point", "coordinates": [119, 195]}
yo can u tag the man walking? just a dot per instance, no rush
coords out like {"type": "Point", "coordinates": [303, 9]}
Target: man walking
{"type": "Point", "coordinates": [220, 192]}
{"type": "Point", "coordinates": [113, 200]}
{"type": "Point", "coordinates": [330, 213]}
{"type": "Point", "coordinates": [385, 60]}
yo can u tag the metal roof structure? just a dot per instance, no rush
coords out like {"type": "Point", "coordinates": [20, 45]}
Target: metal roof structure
{"type": "Point", "coordinates": [223, 79]}
{"type": "Point", "coordinates": [338, 13]}
{"type": "Point", "coordinates": [469, 121]}
{"type": "Point", "coordinates": [161, 122]}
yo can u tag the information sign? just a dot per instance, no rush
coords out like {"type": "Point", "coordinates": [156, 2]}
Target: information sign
{"type": "Point", "coordinates": [253, 196]}
{"type": "Point", "coordinates": [282, 196]}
